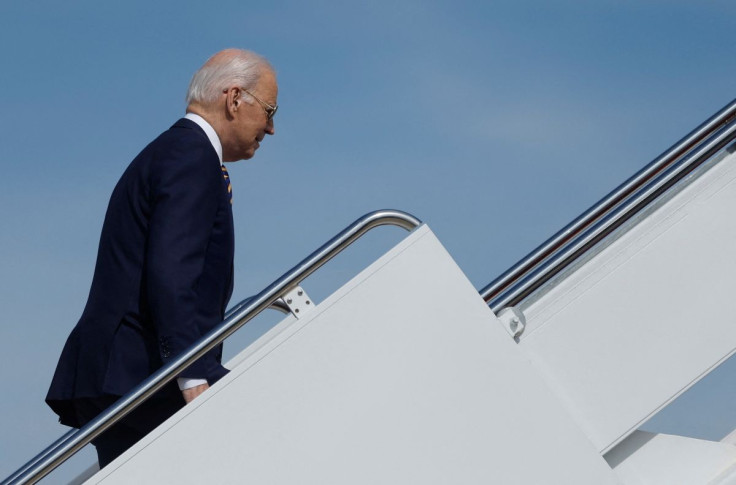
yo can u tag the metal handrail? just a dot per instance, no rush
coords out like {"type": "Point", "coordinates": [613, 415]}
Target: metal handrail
{"type": "Point", "coordinates": [37, 459]}
{"type": "Point", "coordinates": [277, 305]}
{"type": "Point", "coordinates": [611, 212]}
{"type": "Point", "coordinates": [73, 441]}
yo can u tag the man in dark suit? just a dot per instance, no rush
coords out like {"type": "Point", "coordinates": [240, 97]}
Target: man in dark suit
{"type": "Point", "coordinates": [164, 271]}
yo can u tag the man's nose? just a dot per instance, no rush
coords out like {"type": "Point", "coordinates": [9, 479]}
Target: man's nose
{"type": "Point", "coordinates": [269, 127]}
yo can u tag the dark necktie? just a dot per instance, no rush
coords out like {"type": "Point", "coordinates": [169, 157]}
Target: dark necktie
{"type": "Point", "coordinates": [226, 176]}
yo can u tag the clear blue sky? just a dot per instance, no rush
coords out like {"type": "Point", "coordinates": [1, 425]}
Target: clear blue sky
{"type": "Point", "coordinates": [495, 122]}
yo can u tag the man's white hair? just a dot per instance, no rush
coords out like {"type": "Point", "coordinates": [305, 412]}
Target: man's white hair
{"type": "Point", "coordinates": [231, 67]}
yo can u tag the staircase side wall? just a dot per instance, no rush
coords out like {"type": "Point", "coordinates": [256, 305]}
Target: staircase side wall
{"type": "Point", "coordinates": [645, 318]}
{"type": "Point", "coordinates": [401, 376]}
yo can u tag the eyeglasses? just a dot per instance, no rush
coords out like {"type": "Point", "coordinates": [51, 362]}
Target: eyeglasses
{"type": "Point", "coordinates": [270, 110]}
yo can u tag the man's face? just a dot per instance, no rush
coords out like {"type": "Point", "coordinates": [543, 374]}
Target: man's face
{"type": "Point", "coordinates": [251, 121]}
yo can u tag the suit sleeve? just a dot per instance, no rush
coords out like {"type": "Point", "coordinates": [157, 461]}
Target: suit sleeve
{"type": "Point", "coordinates": [184, 191]}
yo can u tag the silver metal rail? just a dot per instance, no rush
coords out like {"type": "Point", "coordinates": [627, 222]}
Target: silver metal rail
{"type": "Point", "coordinates": [619, 206]}
{"type": "Point", "coordinates": [73, 441]}
{"type": "Point", "coordinates": [278, 305]}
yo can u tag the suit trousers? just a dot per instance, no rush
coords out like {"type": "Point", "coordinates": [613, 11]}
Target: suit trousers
{"type": "Point", "coordinates": [129, 430]}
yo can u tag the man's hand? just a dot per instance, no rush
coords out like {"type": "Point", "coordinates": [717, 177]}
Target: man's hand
{"type": "Point", "coordinates": [192, 392]}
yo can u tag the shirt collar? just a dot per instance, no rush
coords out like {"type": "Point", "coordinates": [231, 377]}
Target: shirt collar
{"type": "Point", "coordinates": [209, 131]}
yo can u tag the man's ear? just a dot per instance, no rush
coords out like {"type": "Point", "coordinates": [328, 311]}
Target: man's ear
{"type": "Point", "coordinates": [233, 101]}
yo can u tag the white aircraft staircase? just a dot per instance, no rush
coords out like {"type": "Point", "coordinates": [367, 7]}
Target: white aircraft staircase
{"type": "Point", "coordinates": [408, 375]}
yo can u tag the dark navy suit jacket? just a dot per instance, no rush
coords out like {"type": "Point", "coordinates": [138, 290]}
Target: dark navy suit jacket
{"type": "Point", "coordinates": [163, 277]}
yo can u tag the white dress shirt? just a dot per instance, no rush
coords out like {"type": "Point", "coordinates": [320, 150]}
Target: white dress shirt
{"type": "Point", "coordinates": [209, 131]}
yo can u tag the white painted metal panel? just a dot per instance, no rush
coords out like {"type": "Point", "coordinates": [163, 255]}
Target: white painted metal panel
{"type": "Point", "coordinates": [401, 376]}
{"type": "Point", "coordinates": [661, 459]}
{"type": "Point", "coordinates": [645, 318]}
